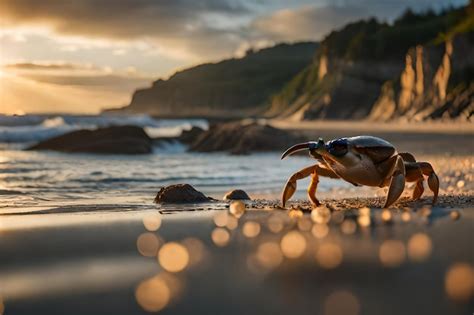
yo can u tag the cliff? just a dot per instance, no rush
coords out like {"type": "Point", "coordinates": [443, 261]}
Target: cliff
{"type": "Point", "coordinates": [379, 71]}
{"type": "Point", "coordinates": [419, 67]}
{"type": "Point", "coordinates": [230, 88]}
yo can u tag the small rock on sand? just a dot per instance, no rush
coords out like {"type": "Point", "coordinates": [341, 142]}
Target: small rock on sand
{"type": "Point", "coordinates": [180, 193]}
{"type": "Point", "coordinates": [236, 194]}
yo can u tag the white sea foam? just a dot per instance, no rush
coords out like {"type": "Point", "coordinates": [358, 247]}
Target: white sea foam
{"type": "Point", "coordinates": [33, 128]}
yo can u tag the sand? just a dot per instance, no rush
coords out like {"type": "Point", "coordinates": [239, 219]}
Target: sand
{"type": "Point", "coordinates": [350, 257]}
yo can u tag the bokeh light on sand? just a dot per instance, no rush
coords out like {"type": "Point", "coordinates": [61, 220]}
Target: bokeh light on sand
{"type": "Point", "coordinates": [251, 229]}
{"type": "Point", "coordinates": [329, 255]}
{"type": "Point", "coordinates": [305, 224]}
{"type": "Point", "coordinates": [364, 217]}
{"type": "Point", "coordinates": [153, 294]}
{"type": "Point", "coordinates": [392, 253]}
{"type": "Point", "coordinates": [425, 211]}
{"type": "Point", "coordinates": [295, 214]}
{"type": "Point", "coordinates": [232, 222]}
{"type": "Point", "coordinates": [455, 215]}
{"type": "Point", "coordinates": [196, 250]}
{"type": "Point", "coordinates": [220, 237]}
{"type": "Point", "coordinates": [419, 247]}
{"type": "Point", "coordinates": [221, 219]}
{"type": "Point", "coordinates": [348, 227]}
{"type": "Point", "coordinates": [269, 255]}
{"type": "Point", "coordinates": [459, 282]}
{"type": "Point", "coordinates": [321, 215]}
{"type": "Point", "coordinates": [341, 303]}
{"type": "Point", "coordinates": [237, 208]}
{"type": "Point", "coordinates": [406, 216]}
{"type": "Point", "coordinates": [152, 222]}
{"type": "Point", "coordinates": [275, 224]}
{"type": "Point", "coordinates": [173, 257]}
{"type": "Point", "coordinates": [386, 216]}
{"type": "Point", "coordinates": [320, 230]}
{"type": "Point", "coordinates": [174, 283]}
{"type": "Point", "coordinates": [293, 244]}
{"type": "Point", "coordinates": [148, 244]}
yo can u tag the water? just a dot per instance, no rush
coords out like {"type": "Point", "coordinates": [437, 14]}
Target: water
{"type": "Point", "coordinates": [51, 179]}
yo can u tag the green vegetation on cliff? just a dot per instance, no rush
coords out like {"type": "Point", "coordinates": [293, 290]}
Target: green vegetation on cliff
{"type": "Point", "coordinates": [372, 40]}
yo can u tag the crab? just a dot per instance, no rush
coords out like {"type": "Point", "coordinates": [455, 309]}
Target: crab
{"type": "Point", "coordinates": [362, 161]}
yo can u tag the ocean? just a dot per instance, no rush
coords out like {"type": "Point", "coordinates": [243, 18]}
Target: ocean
{"type": "Point", "coordinates": [51, 179]}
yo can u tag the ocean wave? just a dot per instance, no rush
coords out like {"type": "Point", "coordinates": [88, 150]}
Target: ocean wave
{"type": "Point", "coordinates": [34, 128]}
{"type": "Point", "coordinates": [172, 147]}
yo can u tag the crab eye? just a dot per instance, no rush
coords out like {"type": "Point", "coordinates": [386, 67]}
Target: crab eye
{"type": "Point", "coordinates": [338, 147]}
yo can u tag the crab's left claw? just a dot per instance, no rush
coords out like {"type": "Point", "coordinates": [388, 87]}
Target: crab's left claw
{"type": "Point", "coordinates": [302, 146]}
{"type": "Point", "coordinates": [290, 186]}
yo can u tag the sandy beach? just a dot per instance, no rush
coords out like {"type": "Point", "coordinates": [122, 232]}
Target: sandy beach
{"type": "Point", "coordinates": [349, 257]}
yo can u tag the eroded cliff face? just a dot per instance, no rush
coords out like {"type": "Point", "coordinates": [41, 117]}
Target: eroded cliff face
{"type": "Point", "coordinates": [334, 88]}
{"type": "Point", "coordinates": [437, 87]}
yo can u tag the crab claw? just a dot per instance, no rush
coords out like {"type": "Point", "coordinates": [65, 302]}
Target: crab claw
{"type": "Point", "coordinates": [303, 146]}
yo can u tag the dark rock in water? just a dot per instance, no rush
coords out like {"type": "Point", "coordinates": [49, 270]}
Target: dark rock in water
{"type": "Point", "coordinates": [236, 194]}
{"type": "Point", "coordinates": [189, 136]}
{"type": "Point", "coordinates": [180, 193]}
{"type": "Point", "coordinates": [110, 140]}
{"type": "Point", "coordinates": [186, 137]}
{"type": "Point", "coordinates": [243, 138]}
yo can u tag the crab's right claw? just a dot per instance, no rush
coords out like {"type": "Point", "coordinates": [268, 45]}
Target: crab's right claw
{"type": "Point", "coordinates": [303, 146]}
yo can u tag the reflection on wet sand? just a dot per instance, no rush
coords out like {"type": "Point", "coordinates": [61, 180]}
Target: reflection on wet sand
{"type": "Point", "coordinates": [163, 262]}
{"type": "Point", "coordinates": [272, 238]}
{"type": "Point", "coordinates": [63, 278]}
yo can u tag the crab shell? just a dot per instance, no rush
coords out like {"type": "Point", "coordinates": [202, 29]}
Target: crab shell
{"type": "Point", "coordinates": [363, 162]}
{"type": "Point", "coordinates": [358, 160]}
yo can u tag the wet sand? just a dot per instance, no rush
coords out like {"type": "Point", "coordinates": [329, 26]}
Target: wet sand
{"type": "Point", "coordinates": [63, 263]}
{"type": "Point", "coordinates": [344, 258]}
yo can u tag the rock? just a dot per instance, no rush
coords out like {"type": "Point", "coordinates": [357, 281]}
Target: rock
{"type": "Point", "coordinates": [188, 136]}
{"type": "Point", "coordinates": [180, 193]}
{"type": "Point", "coordinates": [109, 140]}
{"type": "Point", "coordinates": [244, 137]}
{"type": "Point", "coordinates": [236, 194]}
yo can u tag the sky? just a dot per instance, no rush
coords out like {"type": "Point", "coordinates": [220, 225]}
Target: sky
{"type": "Point", "coordinates": [83, 56]}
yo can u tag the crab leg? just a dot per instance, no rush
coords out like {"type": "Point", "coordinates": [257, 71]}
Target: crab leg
{"type": "Point", "coordinates": [433, 181]}
{"type": "Point", "coordinates": [415, 174]}
{"type": "Point", "coordinates": [314, 171]}
{"type": "Point", "coordinates": [397, 183]}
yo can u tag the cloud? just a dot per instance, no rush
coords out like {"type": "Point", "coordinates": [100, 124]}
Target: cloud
{"type": "Point", "coordinates": [194, 31]}
{"type": "Point", "coordinates": [184, 26]}
{"type": "Point", "coordinates": [314, 21]}
{"type": "Point", "coordinates": [33, 66]}
{"type": "Point", "coordinates": [305, 23]}
{"type": "Point", "coordinates": [76, 74]}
